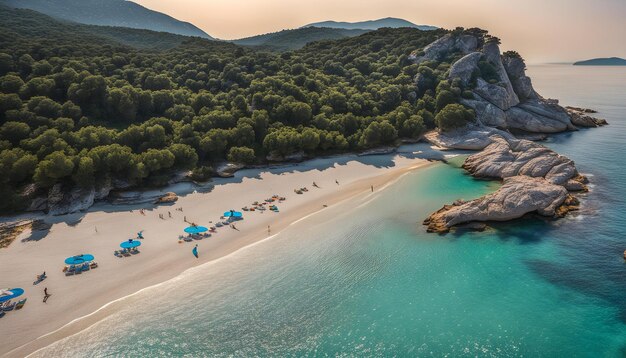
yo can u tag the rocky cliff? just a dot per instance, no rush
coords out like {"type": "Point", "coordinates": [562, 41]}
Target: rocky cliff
{"type": "Point", "coordinates": [535, 178]}
{"type": "Point", "coordinates": [507, 102]}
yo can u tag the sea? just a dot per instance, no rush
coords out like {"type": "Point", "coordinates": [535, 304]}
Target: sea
{"type": "Point", "coordinates": [364, 278]}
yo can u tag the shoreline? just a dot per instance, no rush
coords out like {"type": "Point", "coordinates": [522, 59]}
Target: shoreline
{"type": "Point", "coordinates": [147, 269]}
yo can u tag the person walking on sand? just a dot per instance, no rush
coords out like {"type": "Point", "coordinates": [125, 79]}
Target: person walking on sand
{"type": "Point", "coordinates": [170, 214]}
{"type": "Point", "coordinates": [268, 229]}
{"type": "Point", "coordinates": [195, 251]}
{"type": "Point", "coordinates": [337, 181]}
{"type": "Point", "coordinates": [45, 294]}
{"type": "Point", "coordinates": [372, 188]}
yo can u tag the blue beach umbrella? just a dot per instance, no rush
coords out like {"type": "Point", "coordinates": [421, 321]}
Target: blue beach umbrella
{"type": "Point", "coordinates": [195, 229]}
{"type": "Point", "coordinates": [130, 244]}
{"type": "Point", "coordinates": [233, 214]}
{"type": "Point", "coordinates": [11, 294]}
{"type": "Point", "coordinates": [78, 259]}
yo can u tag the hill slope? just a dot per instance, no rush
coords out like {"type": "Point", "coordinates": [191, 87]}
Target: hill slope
{"type": "Point", "coordinates": [371, 24]}
{"type": "Point", "coordinates": [23, 28]}
{"type": "Point", "coordinates": [611, 61]}
{"type": "Point", "coordinates": [109, 13]}
{"type": "Point", "coordinates": [297, 38]}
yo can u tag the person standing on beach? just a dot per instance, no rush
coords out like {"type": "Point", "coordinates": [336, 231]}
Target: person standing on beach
{"type": "Point", "coordinates": [337, 181]}
{"type": "Point", "coordinates": [268, 229]}
{"type": "Point", "coordinates": [372, 188]}
{"type": "Point", "coordinates": [195, 251]}
{"type": "Point", "coordinates": [170, 214]}
{"type": "Point", "coordinates": [45, 294]}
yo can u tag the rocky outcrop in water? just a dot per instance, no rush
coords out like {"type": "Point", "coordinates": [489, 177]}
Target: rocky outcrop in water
{"type": "Point", "coordinates": [581, 118]}
{"type": "Point", "coordinates": [518, 196]}
{"type": "Point", "coordinates": [535, 180]}
{"type": "Point", "coordinates": [508, 158]}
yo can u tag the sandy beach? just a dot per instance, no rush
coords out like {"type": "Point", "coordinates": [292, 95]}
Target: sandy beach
{"type": "Point", "coordinates": [75, 298]}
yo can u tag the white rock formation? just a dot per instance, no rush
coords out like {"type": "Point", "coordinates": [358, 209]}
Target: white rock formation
{"type": "Point", "coordinates": [517, 197]}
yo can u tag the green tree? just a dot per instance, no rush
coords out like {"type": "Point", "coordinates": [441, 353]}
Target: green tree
{"type": "Point", "coordinates": [310, 140]}
{"type": "Point", "coordinates": [184, 155]}
{"type": "Point", "coordinates": [242, 155]}
{"type": "Point", "coordinates": [55, 166]}
{"type": "Point", "coordinates": [11, 84]}
{"type": "Point", "coordinates": [14, 131]}
{"type": "Point", "coordinates": [378, 133]}
{"type": "Point", "coordinates": [84, 175]}
{"type": "Point", "coordinates": [23, 168]}
{"type": "Point", "coordinates": [453, 116]}
{"type": "Point", "coordinates": [445, 98]}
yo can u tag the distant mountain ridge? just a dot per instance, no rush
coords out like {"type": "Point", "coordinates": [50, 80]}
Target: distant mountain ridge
{"type": "Point", "coordinates": [370, 24]}
{"type": "Point", "coordinates": [296, 38]}
{"type": "Point", "coordinates": [610, 61]}
{"type": "Point", "coordinates": [120, 13]}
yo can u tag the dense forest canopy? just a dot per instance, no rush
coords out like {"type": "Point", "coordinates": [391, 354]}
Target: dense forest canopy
{"type": "Point", "coordinates": [83, 104]}
{"type": "Point", "coordinates": [295, 39]}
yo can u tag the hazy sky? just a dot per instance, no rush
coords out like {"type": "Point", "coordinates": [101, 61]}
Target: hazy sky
{"type": "Point", "coordinates": [540, 30]}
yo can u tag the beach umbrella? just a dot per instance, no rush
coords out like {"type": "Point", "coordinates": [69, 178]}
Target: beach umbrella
{"type": "Point", "coordinates": [233, 214]}
{"type": "Point", "coordinates": [6, 295]}
{"type": "Point", "coordinates": [130, 244]}
{"type": "Point", "coordinates": [195, 229]}
{"type": "Point", "coordinates": [79, 259]}
{"type": "Point", "coordinates": [195, 251]}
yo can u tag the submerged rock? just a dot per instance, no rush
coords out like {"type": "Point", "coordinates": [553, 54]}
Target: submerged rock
{"type": "Point", "coordinates": [581, 118]}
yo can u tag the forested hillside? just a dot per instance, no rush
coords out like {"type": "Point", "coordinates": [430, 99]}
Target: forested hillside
{"type": "Point", "coordinates": [81, 109]}
{"type": "Point", "coordinates": [295, 39]}
{"type": "Point", "coordinates": [109, 13]}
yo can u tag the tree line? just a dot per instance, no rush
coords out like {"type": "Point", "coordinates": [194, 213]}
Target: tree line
{"type": "Point", "coordinates": [81, 112]}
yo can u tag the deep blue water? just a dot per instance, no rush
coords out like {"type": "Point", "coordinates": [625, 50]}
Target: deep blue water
{"type": "Point", "coordinates": [365, 279]}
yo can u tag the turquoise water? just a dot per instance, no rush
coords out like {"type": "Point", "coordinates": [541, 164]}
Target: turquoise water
{"type": "Point", "coordinates": [370, 282]}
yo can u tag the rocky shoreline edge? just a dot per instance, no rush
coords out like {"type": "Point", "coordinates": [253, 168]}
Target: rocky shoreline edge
{"type": "Point", "coordinates": [510, 115]}
{"type": "Point", "coordinates": [535, 179]}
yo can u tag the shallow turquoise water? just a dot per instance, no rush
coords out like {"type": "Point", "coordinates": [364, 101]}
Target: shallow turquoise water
{"type": "Point", "coordinates": [370, 282]}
